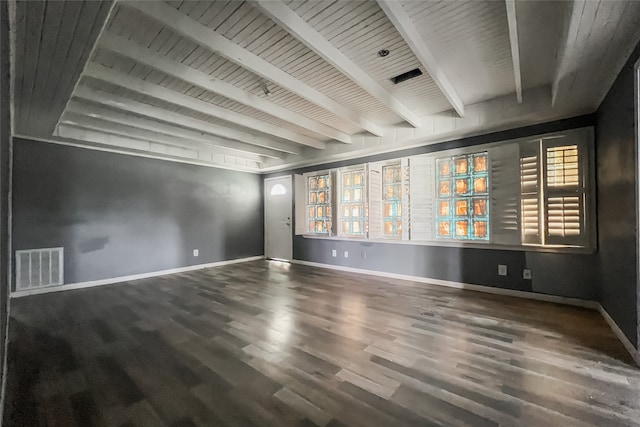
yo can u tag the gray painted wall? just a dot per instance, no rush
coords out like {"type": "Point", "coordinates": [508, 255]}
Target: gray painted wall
{"type": "Point", "coordinates": [617, 204]}
{"type": "Point", "coordinates": [118, 215]}
{"type": "Point", "coordinates": [5, 155]}
{"type": "Point", "coordinates": [568, 275]}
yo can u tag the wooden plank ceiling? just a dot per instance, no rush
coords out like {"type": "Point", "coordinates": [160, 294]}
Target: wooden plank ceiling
{"type": "Point", "coordinates": [258, 85]}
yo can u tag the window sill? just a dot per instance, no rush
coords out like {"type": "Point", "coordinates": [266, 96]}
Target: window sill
{"type": "Point", "coordinates": [471, 245]}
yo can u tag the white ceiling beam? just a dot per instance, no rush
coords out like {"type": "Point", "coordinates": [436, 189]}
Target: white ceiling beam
{"type": "Point", "coordinates": [129, 105]}
{"type": "Point", "coordinates": [206, 37]}
{"type": "Point", "coordinates": [117, 78]}
{"type": "Point", "coordinates": [242, 150]}
{"type": "Point", "coordinates": [570, 52]}
{"type": "Point", "coordinates": [300, 29]}
{"type": "Point", "coordinates": [108, 126]}
{"type": "Point", "coordinates": [78, 136]}
{"type": "Point", "coordinates": [132, 50]}
{"type": "Point", "coordinates": [406, 28]}
{"type": "Point", "coordinates": [515, 46]}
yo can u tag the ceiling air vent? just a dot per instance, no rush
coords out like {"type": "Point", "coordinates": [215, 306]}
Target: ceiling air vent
{"type": "Point", "coordinates": [406, 76]}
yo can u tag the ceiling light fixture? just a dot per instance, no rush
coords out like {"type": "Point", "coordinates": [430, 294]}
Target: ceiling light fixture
{"type": "Point", "coordinates": [265, 89]}
{"type": "Point", "coordinates": [382, 53]}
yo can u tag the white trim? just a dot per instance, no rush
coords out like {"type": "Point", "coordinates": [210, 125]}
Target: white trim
{"type": "Point", "coordinates": [121, 279]}
{"type": "Point", "coordinates": [458, 285]}
{"type": "Point", "coordinates": [88, 146]}
{"type": "Point", "coordinates": [463, 244]}
{"type": "Point", "coordinates": [291, 196]}
{"type": "Point", "coordinates": [636, 128]}
{"type": "Point", "coordinates": [621, 336]}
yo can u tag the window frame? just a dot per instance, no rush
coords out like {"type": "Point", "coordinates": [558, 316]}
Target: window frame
{"type": "Point", "coordinates": [452, 155]}
{"type": "Point", "coordinates": [330, 203]}
{"type": "Point", "coordinates": [582, 136]}
{"type": "Point", "coordinates": [365, 201]}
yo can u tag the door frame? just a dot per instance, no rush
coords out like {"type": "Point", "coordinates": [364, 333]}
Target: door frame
{"type": "Point", "coordinates": [636, 128]}
{"type": "Point", "coordinates": [264, 190]}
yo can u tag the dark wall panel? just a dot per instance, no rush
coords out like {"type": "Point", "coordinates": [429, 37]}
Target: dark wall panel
{"type": "Point", "coordinates": [568, 275]}
{"type": "Point", "coordinates": [617, 204]}
{"type": "Point", "coordinates": [118, 215]}
{"type": "Point", "coordinates": [5, 159]}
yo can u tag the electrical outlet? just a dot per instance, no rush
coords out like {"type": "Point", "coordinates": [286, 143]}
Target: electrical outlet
{"type": "Point", "coordinates": [334, 253]}
{"type": "Point", "coordinates": [196, 252]}
{"type": "Point", "coordinates": [346, 254]}
{"type": "Point", "coordinates": [364, 254]}
{"type": "Point", "coordinates": [502, 270]}
{"type": "Point", "coordinates": [526, 274]}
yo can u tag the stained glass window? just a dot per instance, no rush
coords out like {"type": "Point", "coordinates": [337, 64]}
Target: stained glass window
{"type": "Point", "coordinates": [463, 197]}
{"type": "Point", "coordinates": [353, 215]}
{"type": "Point", "coordinates": [392, 200]}
{"type": "Point", "coordinates": [319, 204]}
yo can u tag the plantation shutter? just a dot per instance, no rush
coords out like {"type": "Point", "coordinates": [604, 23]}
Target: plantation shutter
{"type": "Point", "coordinates": [564, 193]}
{"type": "Point", "coordinates": [530, 193]}
{"type": "Point", "coordinates": [375, 201]}
{"type": "Point", "coordinates": [405, 197]}
{"type": "Point", "coordinates": [300, 202]}
{"type": "Point", "coordinates": [422, 197]}
{"type": "Point", "coordinates": [504, 210]}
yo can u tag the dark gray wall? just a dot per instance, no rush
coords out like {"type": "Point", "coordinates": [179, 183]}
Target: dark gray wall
{"type": "Point", "coordinates": [569, 275]}
{"type": "Point", "coordinates": [5, 156]}
{"type": "Point", "coordinates": [117, 215]}
{"type": "Point", "coordinates": [617, 204]}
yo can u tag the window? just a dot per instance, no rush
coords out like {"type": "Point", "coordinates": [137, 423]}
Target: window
{"type": "Point", "coordinates": [392, 200]}
{"type": "Point", "coordinates": [319, 204]}
{"type": "Point", "coordinates": [553, 192]}
{"type": "Point", "coordinates": [530, 191]}
{"type": "Point", "coordinates": [462, 197]}
{"type": "Point", "coordinates": [353, 218]}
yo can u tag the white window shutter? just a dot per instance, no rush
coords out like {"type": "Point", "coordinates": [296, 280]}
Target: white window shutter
{"type": "Point", "coordinates": [406, 187]}
{"type": "Point", "coordinates": [530, 193]}
{"type": "Point", "coordinates": [422, 197]}
{"type": "Point", "coordinates": [300, 201]}
{"type": "Point", "coordinates": [375, 201]}
{"type": "Point", "coordinates": [504, 184]}
{"type": "Point", "coordinates": [564, 193]}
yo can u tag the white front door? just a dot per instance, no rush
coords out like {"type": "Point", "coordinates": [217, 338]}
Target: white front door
{"type": "Point", "coordinates": [277, 218]}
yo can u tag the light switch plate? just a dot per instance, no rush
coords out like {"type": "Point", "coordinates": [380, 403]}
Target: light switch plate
{"type": "Point", "coordinates": [526, 274]}
{"type": "Point", "coordinates": [502, 270]}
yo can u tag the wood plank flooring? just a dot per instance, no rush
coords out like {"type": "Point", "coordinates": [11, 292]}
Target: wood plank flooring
{"type": "Point", "coordinates": [272, 344]}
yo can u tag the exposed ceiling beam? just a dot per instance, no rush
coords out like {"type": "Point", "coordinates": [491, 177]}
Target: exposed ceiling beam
{"type": "Point", "coordinates": [300, 29]}
{"type": "Point", "coordinates": [113, 143]}
{"type": "Point", "coordinates": [515, 46]}
{"type": "Point", "coordinates": [571, 46]}
{"type": "Point", "coordinates": [418, 45]}
{"type": "Point", "coordinates": [206, 37]}
{"type": "Point", "coordinates": [132, 50]}
{"type": "Point", "coordinates": [108, 126]}
{"type": "Point", "coordinates": [242, 150]}
{"type": "Point", "coordinates": [117, 78]}
{"type": "Point", "coordinates": [125, 104]}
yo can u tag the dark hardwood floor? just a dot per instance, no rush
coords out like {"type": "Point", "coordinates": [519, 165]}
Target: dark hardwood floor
{"type": "Point", "coordinates": [265, 344]}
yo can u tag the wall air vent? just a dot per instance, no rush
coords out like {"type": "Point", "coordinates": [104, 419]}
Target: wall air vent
{"type": "Point", "coordinates": [406, 76]}
{"type": "Point", "coordinates": [38, 268]}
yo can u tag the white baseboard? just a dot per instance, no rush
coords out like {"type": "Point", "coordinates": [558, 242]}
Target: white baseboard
{"type": "Point", "coordinates": [621, 336]}
{"type": "Point", "coordinates": [459, 285]}
{"type": "Point", "coordinates": [121, 279]}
